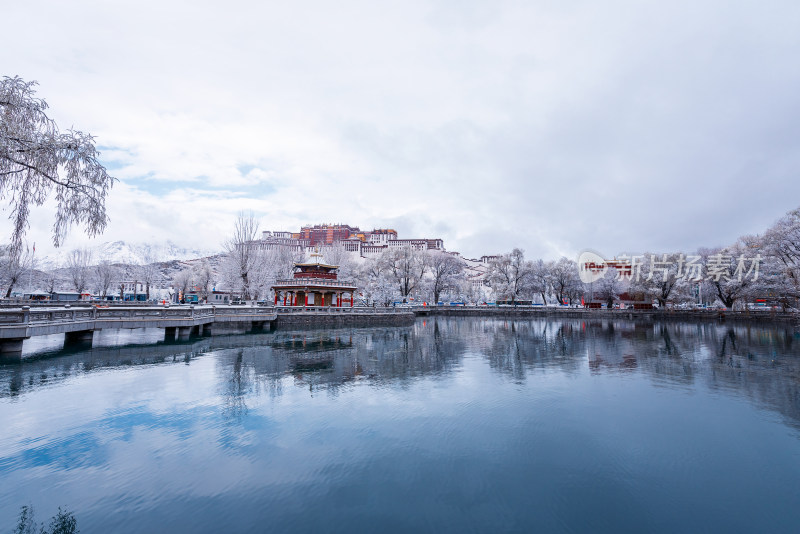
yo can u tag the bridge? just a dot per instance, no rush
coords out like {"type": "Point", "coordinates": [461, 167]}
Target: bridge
{"type": "Point", "coordinates": [79, 323]}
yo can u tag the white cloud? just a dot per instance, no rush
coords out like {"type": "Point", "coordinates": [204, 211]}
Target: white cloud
{"type": "Point", "coordinates": [548, 126]}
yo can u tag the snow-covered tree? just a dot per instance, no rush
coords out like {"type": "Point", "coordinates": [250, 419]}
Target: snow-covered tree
{"type": "Point", "coordinates": [79, 268]}
{"type": "Point", "coordinates": [125, 272]}
{"type": "Point", "coordinates": [38, 161]}
{"type": "Point", "coordinates": [50, 281]}
{"type": "Point", "coordinates": [182, 280]}
{"type": "Point", "coordinates": [445, 273]}
{"type": "Point", "coordinates": [13, 265]}
{"type": "Point", "coordinates": [375, 282]}
{"type": "Point", "coordinates": [540, 279]}
{"type": "Point", "coordinates": [149, 269]}
{"type": "Point", "coordinates": [723, 276]}
{"type": "Point", "coordinates": [509, 276]}
{"type": "Point", "coordinates": [104, 276]}
{"type": "Point", "coordinates": [337, 255]}
{"type": "Point", "coordinates": [269, 266]}
{"type": "Point", "coordinates": [609, 288]}
{"type": "Point", "coordinates": [781, 249]}
{"type": "Point", "coordinates": [564, 280]}
{"type": "Point", "coordinates": [476, 294]}
{"type": "Point", "coordinates": [203, 277]}
{"type": "Point", "coordinates": [405, 267]}
{"type": "Point", "coordinates": [662, 279]}
{"type": "Point", "coordinates": [242, 254]}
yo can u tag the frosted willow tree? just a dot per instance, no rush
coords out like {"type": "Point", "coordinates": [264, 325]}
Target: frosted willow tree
{"type": "Point", "coordinates": [38, 161]}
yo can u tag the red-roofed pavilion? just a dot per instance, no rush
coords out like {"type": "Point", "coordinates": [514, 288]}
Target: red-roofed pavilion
{"type": "Point", "coordinates": [314, 284]}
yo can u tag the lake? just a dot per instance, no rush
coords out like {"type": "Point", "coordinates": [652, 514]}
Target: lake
{"type": "Point", "coordinates": [449, 425]}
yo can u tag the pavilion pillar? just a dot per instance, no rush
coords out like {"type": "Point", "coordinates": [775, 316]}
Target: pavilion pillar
{"type": "Point", "coordinates": [305, 297]}
{"type": "Point", "coordinates": [276, 298]}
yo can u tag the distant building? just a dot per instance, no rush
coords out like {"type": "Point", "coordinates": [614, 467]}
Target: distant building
{"type": "Point", "coordinates": [350, 238]}
{"type": "Point", "coordinates": [131, 290]}
{"type": "Point", "coordinates": [327, 234]}
{"type": "Point", "coordinates": [219, 297]}
{"type": "Point", "coordinates": [65, 296]}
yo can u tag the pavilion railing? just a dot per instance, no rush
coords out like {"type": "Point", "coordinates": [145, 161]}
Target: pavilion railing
{"type": "Point", "coordinates": [302, 282]}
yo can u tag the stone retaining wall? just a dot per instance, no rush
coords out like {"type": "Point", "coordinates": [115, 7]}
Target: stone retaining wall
{"type": "Point", "coordinates": [349, 319]}
{"type": "Point", "coordinates": [637, 315]}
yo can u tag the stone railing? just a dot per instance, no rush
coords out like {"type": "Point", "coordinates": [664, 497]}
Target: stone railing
{"type": "Point", "coordinates": [16, 303]}
{"type": "Point", "coordinates": [51, 315]}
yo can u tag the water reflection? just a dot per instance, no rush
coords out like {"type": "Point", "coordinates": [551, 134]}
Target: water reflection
{"type": "Point", "coordinates": [449, 424]}
{"type": "Point", "coordinates": [757, 361]}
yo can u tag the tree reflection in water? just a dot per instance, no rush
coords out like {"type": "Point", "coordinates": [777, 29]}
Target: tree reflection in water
{"type": "Point", "coordinates": [760, 362]}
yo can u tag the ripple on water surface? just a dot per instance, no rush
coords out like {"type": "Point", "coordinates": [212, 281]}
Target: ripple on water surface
{"type": "Point", "coordinates": [447, 425]}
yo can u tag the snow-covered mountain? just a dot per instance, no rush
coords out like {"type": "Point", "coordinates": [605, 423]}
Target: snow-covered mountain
{"type": "Point", "coordinates": [131, 253]}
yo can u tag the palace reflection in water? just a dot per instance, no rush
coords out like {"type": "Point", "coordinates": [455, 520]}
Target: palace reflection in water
{"type": "Point", "coordinates": [762, 362]}
{"type": "Point", "coordinates": [434, 409]}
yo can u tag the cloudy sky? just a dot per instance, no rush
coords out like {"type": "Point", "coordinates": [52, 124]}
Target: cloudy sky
{"type": "Point", "coordinates": [548, 125]}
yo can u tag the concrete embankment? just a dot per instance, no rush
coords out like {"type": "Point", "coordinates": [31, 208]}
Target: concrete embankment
{"type": "Point", "coordinates": [399, 318]}
{"type": "Point", "coordinates": [594, 314]}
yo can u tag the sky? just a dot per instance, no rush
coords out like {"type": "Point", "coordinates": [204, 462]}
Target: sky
{"type": "Point", "coordinates": [552, 126]}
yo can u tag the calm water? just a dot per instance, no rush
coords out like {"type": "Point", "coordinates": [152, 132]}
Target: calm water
{"type": "Point", "coordinates": [451, 425]}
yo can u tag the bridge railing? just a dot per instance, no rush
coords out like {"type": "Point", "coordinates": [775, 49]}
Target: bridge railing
{"type": "Point", "coordinates": [241, 310]}
{"type": "Point", "coordinates": [26, 315]}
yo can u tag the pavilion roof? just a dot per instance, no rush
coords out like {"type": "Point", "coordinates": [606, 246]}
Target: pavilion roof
{"type": "Point", "coordinates": [318, 262]}
{"type": "Point", "coordinates": [314, 264]}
